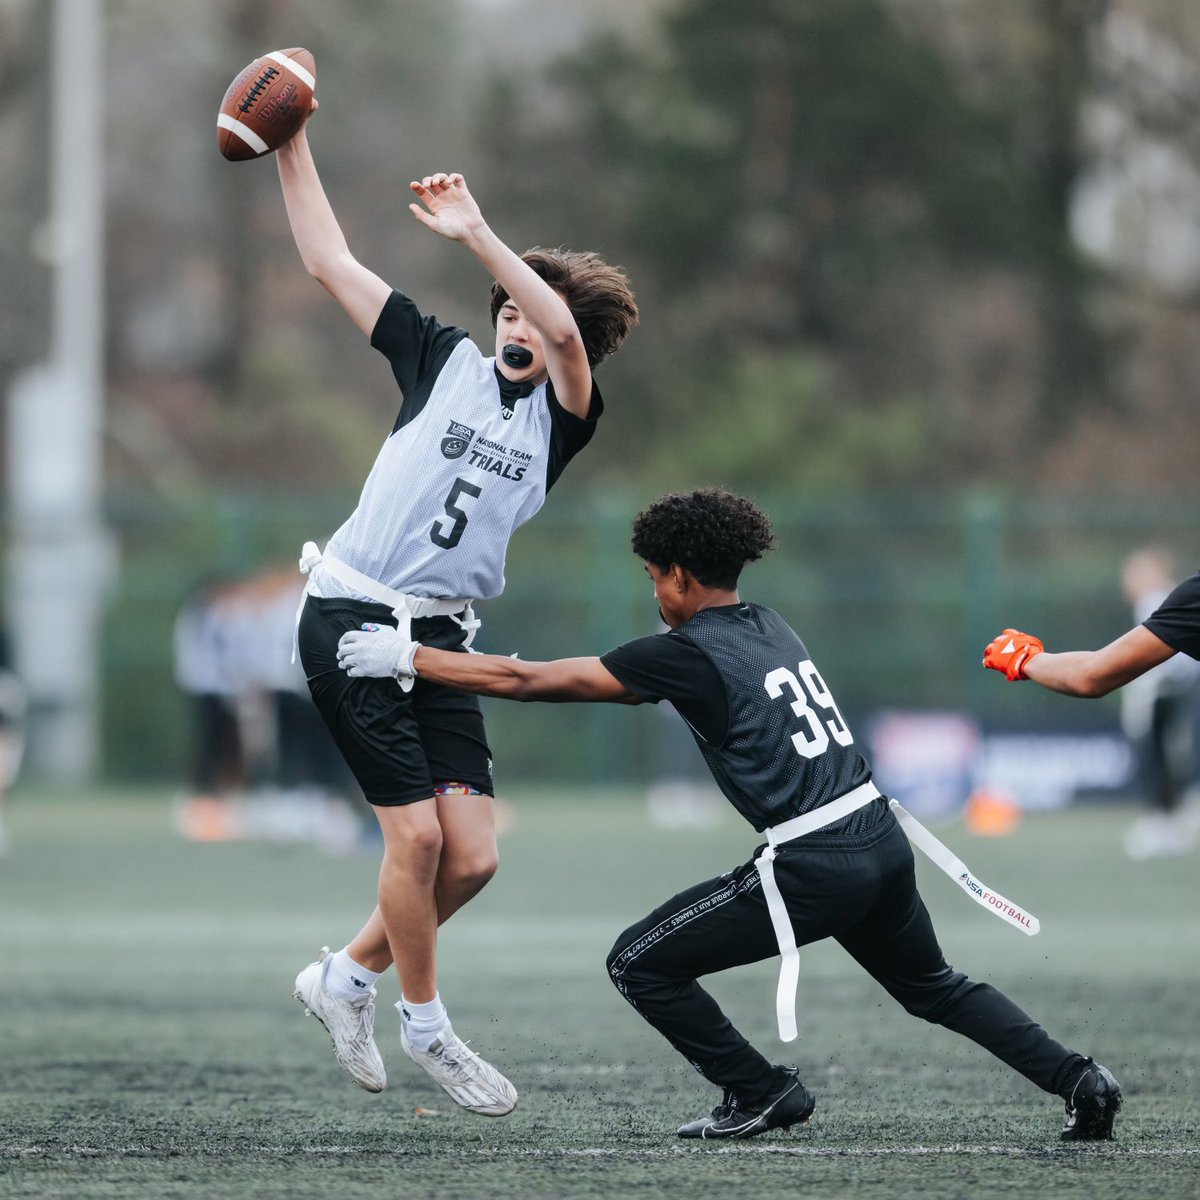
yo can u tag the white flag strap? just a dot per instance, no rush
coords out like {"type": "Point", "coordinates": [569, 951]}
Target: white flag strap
{"type": "Point", "coordinates": [781, 923]}
{"type": "Point", "coordinates": [789, 956]}
{"type": "Point", "coordinates": [954, 866]}
{"type": "Point", "coordinates": [785, 935]}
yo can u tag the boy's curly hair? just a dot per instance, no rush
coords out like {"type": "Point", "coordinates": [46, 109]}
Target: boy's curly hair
{"type": "Point", "coordinates": [598, 295]}
{"type": "Point", "coordinates": [711, 532]}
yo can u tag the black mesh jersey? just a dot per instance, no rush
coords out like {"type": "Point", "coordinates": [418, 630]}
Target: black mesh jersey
{"type": "Point", "coordinates": [786, 749]}
{"type": "Point", "coordinates": [1177, 619]}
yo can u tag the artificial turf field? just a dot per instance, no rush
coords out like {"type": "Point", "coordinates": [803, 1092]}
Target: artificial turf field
{"type": "Point", "coordinates": [150, 1047]}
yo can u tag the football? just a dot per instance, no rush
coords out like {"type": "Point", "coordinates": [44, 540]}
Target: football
{"type": "Point", "coordinates": [266, 104]}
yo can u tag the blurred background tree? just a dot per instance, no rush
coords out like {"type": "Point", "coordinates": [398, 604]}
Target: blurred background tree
{"type": "Point", "coordinates": [859, 231]}
{"type": "Point", "coordinates": [890, 253]}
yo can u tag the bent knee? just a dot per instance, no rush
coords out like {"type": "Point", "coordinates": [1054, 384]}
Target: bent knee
{"type": "Point", "coordinates": [617, 963]}
{"type": "Point", "coordinates": [473, 871]}
{"type": "Point", "coordinates": [416, 849]}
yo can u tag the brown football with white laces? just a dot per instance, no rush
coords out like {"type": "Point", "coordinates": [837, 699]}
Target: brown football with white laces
{"type": "Point", "coordinates": [266, 104]}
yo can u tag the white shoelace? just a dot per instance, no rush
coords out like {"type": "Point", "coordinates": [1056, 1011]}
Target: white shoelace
{"type": "Point", "coordinates": [458, 1067]}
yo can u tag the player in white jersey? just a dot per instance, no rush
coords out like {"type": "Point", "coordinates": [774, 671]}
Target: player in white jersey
{"type": "Point", "coordinates": [477, 443]}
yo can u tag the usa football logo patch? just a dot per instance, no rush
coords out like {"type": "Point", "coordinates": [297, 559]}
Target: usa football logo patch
{"type": "Point", "coordinates": [458, 438]}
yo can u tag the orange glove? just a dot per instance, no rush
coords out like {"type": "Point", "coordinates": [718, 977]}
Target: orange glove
{"type": "Point", "coordinates": [1010, 652]}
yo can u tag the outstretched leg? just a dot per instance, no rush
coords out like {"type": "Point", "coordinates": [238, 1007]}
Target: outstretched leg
{"type": "Point", "coordinates": [897, 945]}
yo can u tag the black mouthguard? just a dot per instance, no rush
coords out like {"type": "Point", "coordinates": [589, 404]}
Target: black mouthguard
{"type": "Point", "coordinates": [517, 356]}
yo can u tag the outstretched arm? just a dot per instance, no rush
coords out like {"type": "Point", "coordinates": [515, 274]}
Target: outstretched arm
{"type": "Point", "coordinates": [320, 240]}
{"type": "Point", "coordinates": [451, 210]}
{"type": "Point", "coordinates": [377, 652]}
{"type": "Point", "coordinates": [1088, 673]}
{"type": "Point", "coordinates": [562, 680]}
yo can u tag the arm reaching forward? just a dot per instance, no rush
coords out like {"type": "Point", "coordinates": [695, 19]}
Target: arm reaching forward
{"type": "Point", "coordinates": [382, 652]}
{"type": "Point", "coordinates": [320, 240]}
{"type": "Point", "coordinates": [1087, 673]}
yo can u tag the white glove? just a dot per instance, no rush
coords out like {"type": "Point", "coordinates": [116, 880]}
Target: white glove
{"type": "Point", "coordinates": [377, 652]}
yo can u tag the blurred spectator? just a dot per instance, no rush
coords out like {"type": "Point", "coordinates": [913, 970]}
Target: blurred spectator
{"type": "Point", "coordinates": [206, 671]}
{"type": "Point", "coordinates": [263, 763]}
{"type": "Point", "coordinates": [1158, 715]}
{"type": "Point", "coordinates": [12, 735]}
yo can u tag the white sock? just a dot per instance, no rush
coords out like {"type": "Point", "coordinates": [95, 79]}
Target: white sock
{"type": "Point", "coordinates": [348, 980]}
{"type": "Point", "coordinates": [423, 1021]}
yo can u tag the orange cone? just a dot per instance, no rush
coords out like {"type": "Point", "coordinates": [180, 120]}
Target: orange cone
{"type": "Point", "coordinates": [991, 813]}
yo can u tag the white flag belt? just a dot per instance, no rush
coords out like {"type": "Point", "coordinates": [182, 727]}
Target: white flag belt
{"type": "Point", "coordinates": [785, 935]}
{"type": "Point", "coordinates": [788, 831]}
{"type": "Point", "coordinates": [415, 606]}
{"type": "Point", "coordinates": [941, 854]}
{"type": "Point", "coordinates": [405, 608]}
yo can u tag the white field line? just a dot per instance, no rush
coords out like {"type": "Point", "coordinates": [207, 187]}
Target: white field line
{"type": "Point", "coordinates": [484, 1153]}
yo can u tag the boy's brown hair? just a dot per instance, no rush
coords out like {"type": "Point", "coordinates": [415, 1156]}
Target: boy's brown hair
{"type": "Point", "coordinates": [598, 295]}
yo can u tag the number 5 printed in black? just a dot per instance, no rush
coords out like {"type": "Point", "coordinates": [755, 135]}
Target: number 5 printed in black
{"type": "Point", "coordinates": [448, 536]}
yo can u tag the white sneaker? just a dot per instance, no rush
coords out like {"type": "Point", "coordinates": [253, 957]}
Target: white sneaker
{"type": "Point", "coordinates": [469, 1081]}
{"type": "Point", "coordinates": [350, 1024]}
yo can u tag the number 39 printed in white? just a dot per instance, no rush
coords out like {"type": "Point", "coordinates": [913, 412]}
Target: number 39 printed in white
{"type": "Point", "coordinates": [814, 738]}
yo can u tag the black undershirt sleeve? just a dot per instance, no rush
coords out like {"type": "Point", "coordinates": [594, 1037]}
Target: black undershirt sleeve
{"type": "Point", "coordinates": [569, 433]}
{"type": "Point", "coordinates": [666, 667]}
{"type": "Point", "coordinates": [417, 347]}
{"type": "Point", "coordinates": [1177, 619]}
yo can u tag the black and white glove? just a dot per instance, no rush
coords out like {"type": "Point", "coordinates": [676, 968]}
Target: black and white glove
{"type": "Point", "coordinates": [377, 652]}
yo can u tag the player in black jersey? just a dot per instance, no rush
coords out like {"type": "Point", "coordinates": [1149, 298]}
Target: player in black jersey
{"type": "Point", "coordinates": [1173, 628]}
{"type": "Point", "coordinates": [836, 863]}
{"type": "Point", "coordinates": [478, 442]}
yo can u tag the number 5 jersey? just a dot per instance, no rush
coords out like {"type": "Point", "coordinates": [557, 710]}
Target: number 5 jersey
{"type": "Point", "coordinates": [469, 460]}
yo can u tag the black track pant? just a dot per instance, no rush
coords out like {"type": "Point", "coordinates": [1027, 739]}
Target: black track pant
{"type": "Point", "coordinates": [862, 892]}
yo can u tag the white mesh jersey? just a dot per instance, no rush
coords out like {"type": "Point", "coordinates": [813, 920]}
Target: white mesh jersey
{"type": "Point", "coordinates": [469, 460]}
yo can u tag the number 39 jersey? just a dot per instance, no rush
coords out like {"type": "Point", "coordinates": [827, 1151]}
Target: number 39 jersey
{"type": "Point", "coordinates": [765, 722]}
{"type": "Point", "coordinates": [469, 460]}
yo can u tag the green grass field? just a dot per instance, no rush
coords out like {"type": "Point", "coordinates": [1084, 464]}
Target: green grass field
{"type": "Point", "coordinates": [149, 1045]}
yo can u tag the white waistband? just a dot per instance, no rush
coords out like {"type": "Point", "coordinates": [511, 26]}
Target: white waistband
{"type": "Point", "coordinates": [405, 608]}
{"type": "Point", "coordinates": [415, 606]}
{"type": "Point", "coordinates": [827, 814]}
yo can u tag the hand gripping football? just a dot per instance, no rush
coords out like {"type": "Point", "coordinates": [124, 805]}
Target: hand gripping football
{"type": "Point", "coordinates": [266, 104]}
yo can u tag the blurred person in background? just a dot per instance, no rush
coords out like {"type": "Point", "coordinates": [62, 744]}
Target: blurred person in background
{"type": "Point", "coordinates": [477, 444]}
{"type": "Point", "coordinates": [206, 672]}
{"type": "Point", "coordinates": [836, 863]}
{"type": "Point", "coordinates": [12, 735]}
{"type": "Point", "coordinates": [1171, 627]}
{"type": "Point", "coordinates": [1158, 715]}
{"type": "Point", "coordinates": [263, 763]}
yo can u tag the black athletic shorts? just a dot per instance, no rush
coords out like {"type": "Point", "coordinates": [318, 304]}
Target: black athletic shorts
{"type": "Point", "coordinates": [398, 744]}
